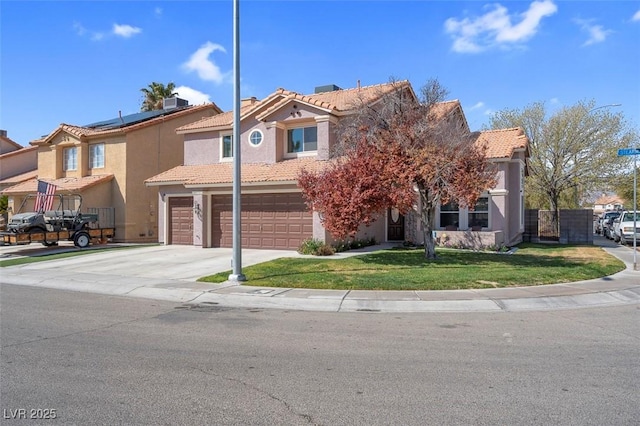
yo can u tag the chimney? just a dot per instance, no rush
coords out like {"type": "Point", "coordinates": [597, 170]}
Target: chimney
{"type": "Point", "coordinates": [3, 133]}
{"type": "Point", "coordinates": [248, 101]}
{"type": "Point", "coordinates": [327, 88]}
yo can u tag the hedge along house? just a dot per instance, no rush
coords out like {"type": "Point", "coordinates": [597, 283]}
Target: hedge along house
{"type": "Point", "coordinates": [280, 135]}
{"type": "Point", "coordinates": [107, 162]}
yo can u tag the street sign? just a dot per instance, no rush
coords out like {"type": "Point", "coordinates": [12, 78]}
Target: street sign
{"type": "Point", "coordinates": [628, 151]}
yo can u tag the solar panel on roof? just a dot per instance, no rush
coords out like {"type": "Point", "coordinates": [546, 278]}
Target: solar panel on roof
{"type": "Point", "coordinates": [128, 120]}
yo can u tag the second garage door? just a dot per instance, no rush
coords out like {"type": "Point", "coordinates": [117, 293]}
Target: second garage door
{"type": "Point", "coordinates": [275, 221]}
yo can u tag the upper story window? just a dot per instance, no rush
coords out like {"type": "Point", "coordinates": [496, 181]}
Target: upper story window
{"type": "Point", "coordinates": [96, 156]}
{"type": "Point", "coordinates": [302, 139]}
{"type": "Point", "coordinates": [227, 146]}
{"type": "Point", "coordinates": [70, 160]}
{"type": "Point", "coordinates": [255, 138]}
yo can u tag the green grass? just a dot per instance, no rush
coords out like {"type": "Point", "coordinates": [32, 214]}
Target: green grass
{"type": "Point", "coordinates": [454, 269]}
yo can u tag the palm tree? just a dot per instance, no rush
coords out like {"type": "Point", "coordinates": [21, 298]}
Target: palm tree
{"type": "Point", "coordinates": [154, 95]}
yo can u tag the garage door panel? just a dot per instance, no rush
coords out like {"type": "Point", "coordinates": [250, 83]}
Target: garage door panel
{"type": "Point", "coordinates": [180, 221]}
{"type": "Point", "coordinates": [268, 221]}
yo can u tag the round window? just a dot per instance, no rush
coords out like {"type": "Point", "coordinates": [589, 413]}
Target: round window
{"type": "Point", "coordinates": [255, 138]}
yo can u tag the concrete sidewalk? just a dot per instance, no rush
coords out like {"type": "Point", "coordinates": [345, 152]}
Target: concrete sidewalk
{"type": "Point", "coordinates": [169, 273]}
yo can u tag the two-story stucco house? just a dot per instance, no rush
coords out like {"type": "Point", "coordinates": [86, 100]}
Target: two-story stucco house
{"type": "Point", "coordinates": [284, 133]}
{"type": "Point", "coordinates": [107, 163]}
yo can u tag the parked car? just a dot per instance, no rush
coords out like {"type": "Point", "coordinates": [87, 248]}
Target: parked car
{"type": "Point", "coordinates": [623, 230]}
{"type": "Point", "coordinates": [603, 218]}
{"type": "Point", "coordinates": [607, 227]}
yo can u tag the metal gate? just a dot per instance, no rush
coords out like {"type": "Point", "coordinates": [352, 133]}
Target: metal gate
{"type": "Point", "coordinates": [546, 229]}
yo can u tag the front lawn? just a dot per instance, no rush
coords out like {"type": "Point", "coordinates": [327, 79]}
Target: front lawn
{"type": "Point", "coordinates": [400, 269]}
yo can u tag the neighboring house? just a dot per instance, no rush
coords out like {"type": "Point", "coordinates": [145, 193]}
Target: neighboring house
{"type": "Point", "coordinates": [17, 163]}
{"type": "Point", "coordinates": [107, 162]}
{"type": "Point", "coordinates": [607, 202]}
{"type": "Point", "coordinates": [286, 132]}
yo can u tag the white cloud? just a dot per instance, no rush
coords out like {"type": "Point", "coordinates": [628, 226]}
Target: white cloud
{"type": "Point", "coordinates": [206, 68]}
{"type": "Point", "coordinates": [80, 30]}
{"type": "Point", "coordinates": [158, 11]}
{"type": "Point", "coordinates": [554, 101]}
{"type": "Point", "coordinates": [636, 16]}
{"type": "Point", "coordinates": [597, 34]}
{"type": "Point", "coordinates": [194, 96]}
{"type": "Point", "coordinates": [495, 28]}
{"type": "Point", "coordinates": [125, 31]}
{"type": "Point", "coordinates": [477, 105]}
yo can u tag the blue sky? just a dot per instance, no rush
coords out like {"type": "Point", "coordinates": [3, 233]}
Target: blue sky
{"type": "Point", "coordinates": [79, 62]}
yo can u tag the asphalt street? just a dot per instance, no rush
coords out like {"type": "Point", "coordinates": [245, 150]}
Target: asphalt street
{"type": "Point", "coordinates": [102, 360]}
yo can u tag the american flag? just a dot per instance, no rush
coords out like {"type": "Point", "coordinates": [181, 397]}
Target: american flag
{"type": "Point", "coordinates": [44, 199]}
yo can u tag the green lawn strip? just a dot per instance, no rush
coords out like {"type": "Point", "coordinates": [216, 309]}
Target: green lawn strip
{"type": "Point", "coordinates": [454, 269]}
{"type": "Point", "coordinates": [53, 256]}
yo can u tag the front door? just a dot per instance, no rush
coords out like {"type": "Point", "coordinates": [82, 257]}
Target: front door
{"type": "Point", "coordinates": [395, 225]}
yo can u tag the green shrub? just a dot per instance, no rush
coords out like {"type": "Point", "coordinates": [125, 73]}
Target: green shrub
{"type": "Point", "coordinates": [315, 247]}
{"type": "Point", "coordinates": [340, 246]}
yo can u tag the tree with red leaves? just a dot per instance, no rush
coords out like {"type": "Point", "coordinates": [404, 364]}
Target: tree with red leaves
{"type": "Point", "coordinates": [399, 153]}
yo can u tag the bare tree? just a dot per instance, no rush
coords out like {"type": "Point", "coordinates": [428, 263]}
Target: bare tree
{"type": "Point", "coordinates": [572, 151]}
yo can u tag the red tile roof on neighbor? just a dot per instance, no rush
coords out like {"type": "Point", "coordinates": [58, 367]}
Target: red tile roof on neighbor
{"type": "Point", "coordinates": [608, 199]}
{"type": "Point", "coordinates": [88, 132]}
{"type": "Point", "coordinates": [502, 143]}
{"type": "Point", "coordinates": [222, 173]}
{"type": "Point", "coordinates": [62, 184]}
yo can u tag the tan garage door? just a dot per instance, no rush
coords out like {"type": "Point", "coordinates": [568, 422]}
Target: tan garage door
{"type": "Point", "coordinates": [276, 221]}
{"type": "Point", "coordinates": [181, 220]}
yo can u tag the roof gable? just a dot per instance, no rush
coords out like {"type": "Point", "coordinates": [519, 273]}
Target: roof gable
{"type": "Point", "coordinates": [502, 143]}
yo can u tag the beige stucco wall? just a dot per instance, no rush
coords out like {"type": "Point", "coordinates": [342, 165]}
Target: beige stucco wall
{"type": "Point", "coordinates": [18, 162]}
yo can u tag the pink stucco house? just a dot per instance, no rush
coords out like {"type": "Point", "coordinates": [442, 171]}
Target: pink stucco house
{"type": "Point", "coordinates": [288, 131]}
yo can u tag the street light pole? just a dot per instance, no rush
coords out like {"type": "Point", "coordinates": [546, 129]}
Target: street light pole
{"type": "Point", "coordinates": [635, 206]}
{"type": "Point", "coordinates": [236, 261]}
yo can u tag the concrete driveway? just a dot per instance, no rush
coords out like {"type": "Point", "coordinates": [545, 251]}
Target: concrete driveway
{"type": "Point", "coordinates": [187, 263]}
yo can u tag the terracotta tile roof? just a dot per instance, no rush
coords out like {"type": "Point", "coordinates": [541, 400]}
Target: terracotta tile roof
{"type": "Point", "coordinates": [503, 142]}
{"type": "Point", "coordinates": [13, 180]}
{"type": "Point", "coordinates": [222, 173]}
{"type": "Point", "coordinates": [608, 199]}
{"type": "Point", "coordinates": [336, 101]}
{"type": "Point", "coordinates": [339, 101]}
{"type": "Point", "coordinates": [63, 184]}
{"type": "Point", "coordinates": [88, 132]}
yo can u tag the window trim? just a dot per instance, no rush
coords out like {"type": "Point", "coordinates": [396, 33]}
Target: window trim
{"type": "Point", "coordinates": [249, 138]}
{"type": "Point", "coordinates": [302, 153]}
{"type": "Point", "coordinates": [222, 157]}
{"type": "Point", "coordinates": [65, 159]}
{"type": "Point", "coordinates": [92, 148]}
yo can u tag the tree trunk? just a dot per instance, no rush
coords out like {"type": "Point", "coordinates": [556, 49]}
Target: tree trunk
{"type": "Point", "coordinates": [555, 215]}
{"type": "Point", "coordinates": [427, 219]}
